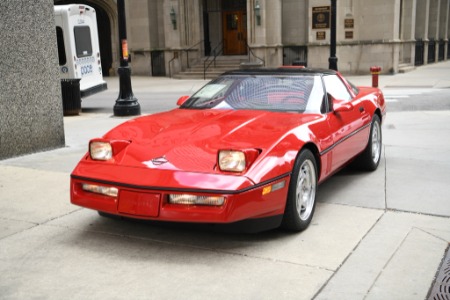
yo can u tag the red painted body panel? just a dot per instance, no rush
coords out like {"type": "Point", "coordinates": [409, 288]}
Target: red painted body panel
{"type": "Point", "coordinates": [190, 139]}
{"type": "Point", "coordinates": [250, 203]}
{"type": "Point", "coordinates": [176, 152]}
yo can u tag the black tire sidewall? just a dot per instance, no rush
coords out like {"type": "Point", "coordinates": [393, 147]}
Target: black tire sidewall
{"type": "Point", "coordinates": [291, 219]}
{"type": "Point", "coordinates": [367, 156]}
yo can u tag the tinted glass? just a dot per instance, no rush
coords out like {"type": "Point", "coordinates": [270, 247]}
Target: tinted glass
{"type": "Point", "coordinates": [265, 92]}
{"type": "Point", "coordinates": [61, 46]}
{"type": "Point", "coordinates": [336, 88]}
{"type": "Point", "coordinates": [83, 42]}
{"type": "Point", "coordinates": [354, 88]}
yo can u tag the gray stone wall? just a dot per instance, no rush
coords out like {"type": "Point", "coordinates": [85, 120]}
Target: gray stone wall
{"type": "Point", "coordinates": [31, 116]}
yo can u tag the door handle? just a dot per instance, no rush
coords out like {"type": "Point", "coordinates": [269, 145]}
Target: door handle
{"type": "Point", "coordinates": [361, 109]}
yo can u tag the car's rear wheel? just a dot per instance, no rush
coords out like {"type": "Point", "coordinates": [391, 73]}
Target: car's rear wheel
{"type": "Point", "coordinates": [301, 199]}
{"type": "Point", "coordinates": [370, 158]}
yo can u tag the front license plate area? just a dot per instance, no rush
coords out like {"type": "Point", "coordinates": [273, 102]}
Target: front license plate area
{"type": "Point", "coordinates": [139, 204]}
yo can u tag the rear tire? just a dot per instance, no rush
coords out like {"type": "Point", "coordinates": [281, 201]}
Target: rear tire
{"type": "Point", "coordinates": [370, 158]}
{"type": "Point", "coordinates": [301, 200]}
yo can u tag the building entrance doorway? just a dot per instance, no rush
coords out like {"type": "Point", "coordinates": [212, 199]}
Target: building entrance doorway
{"type": "Point", "coordinates": [234, 32]}
{"type": "Point", "coordinates": [225, 27]}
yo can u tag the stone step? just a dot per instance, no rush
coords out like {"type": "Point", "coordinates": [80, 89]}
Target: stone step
{"type": "Point", "coordinates": [200, 67]}
{"type": "Point", "coordinates": [404, 68]}
{"type": "Point", "coordinates": [221, 65]}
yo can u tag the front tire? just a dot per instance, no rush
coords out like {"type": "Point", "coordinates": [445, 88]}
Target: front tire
{"type": "Point", "coordinates": [301, 201]}
{"type": "Point", "coordinates": [370, 158]}
{"type": "Point", "coordinates": [109, 216]}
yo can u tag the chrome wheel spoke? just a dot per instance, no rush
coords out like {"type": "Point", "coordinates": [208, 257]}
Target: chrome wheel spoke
{"type": "Point", "coordinates": [376, 143]}
{"type": "Point", "coordinates": [306, 186]}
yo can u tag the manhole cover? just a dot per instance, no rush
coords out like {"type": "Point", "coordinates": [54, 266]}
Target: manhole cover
{"type": "Point", "coordinates": [441, 287]}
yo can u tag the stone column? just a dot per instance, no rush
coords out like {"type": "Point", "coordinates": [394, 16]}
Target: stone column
{"type": "Point", "coordinates": [138, 27]}
{"type": "Point", "coordinates": [265, 39]}
{"type": "Point", "coordinates": [433, 26]}
{"type": "Point", "coordinates": [443, 24]}
{"type": "Point", "coordinates": [408, 31]}
{"type": "Point", "coordinates": [274, 52]}
{"type": "Point", "coordinates": [31, 113]}
{"type": "Point", "coordinates": [187, 34]}
{"type": "Point", "coordinates": [421, 32]}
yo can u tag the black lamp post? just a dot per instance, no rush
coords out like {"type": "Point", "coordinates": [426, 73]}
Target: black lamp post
{"type": "Point", "coordinates": [126, 103]}
{"type": "Point", "coordinates": [332, 60]}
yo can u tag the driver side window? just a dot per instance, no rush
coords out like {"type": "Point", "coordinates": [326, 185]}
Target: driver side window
{"type": "Point", "coordinates": [336, 88]}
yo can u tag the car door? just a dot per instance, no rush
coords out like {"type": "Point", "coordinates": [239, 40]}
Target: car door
{"type": "Point", "coordinates": [346, 120]}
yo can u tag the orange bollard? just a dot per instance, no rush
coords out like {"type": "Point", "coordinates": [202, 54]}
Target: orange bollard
{"type": "Point", "coordinates": [375, 71]}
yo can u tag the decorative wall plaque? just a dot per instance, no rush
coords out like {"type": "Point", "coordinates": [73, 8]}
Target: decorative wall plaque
{"type": "Point", "coordinates": [349, 23]}
{"type": "Point", "coordinates": [321, 17]}
{"type": "Point", "coordinates": [320, 35]}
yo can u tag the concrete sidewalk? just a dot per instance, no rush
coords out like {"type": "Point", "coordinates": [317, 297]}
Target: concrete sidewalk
{"type": "Point", "coordinates": [429, 76]}
{"type": "Point", "coordinates": [379, 235]}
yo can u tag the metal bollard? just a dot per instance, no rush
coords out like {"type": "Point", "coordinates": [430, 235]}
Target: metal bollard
{"type": "Point", "coordinates": [375, 71]}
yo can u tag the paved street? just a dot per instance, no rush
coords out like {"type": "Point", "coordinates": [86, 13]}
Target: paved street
{"type": "Point", "coordinates": [379, 235]}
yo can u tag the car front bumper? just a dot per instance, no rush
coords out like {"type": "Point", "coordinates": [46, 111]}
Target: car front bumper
{"type": "Point", "coordinates": [141, 198]}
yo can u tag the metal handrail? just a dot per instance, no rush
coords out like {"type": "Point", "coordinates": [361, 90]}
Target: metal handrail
{"type": "Point", "coordinates": [187, 56]}
{"type": "Point", "coordinates": [189, 49]}
{"type": "Point", "coordinates": [205, 67]}
{"type": "Point", "coordinates": [250, 51]}
{"type": "Point", "coordinates": [170, 65]}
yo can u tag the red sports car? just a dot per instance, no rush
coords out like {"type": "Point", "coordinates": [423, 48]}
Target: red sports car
{"type": "Point", "coordinates": [250, 147]}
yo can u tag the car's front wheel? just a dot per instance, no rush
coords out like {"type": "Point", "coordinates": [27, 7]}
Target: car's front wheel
{"type": "Point", "coordinates": [109, 216]}
{"type": "Point", "coordinates": [370, 158]}
{"type": "Point", "coordinates": [301, 199]}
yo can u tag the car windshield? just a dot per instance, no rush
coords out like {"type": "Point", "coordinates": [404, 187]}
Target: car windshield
{"type": "Point", "coordinates": [299, 93]}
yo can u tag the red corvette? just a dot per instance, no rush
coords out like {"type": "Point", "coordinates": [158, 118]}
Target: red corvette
{"type": "Point", "coordinates": [250, 147]}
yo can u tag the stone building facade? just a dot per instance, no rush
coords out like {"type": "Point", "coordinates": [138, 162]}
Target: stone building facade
{"type": "Point", "coordinates": [168, 36]}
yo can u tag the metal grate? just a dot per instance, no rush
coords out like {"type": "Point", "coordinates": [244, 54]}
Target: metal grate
{"type": "Point", "coordinates": [441, 287]}
{"type": "Point", "coordinates": [158, 63]}
{"type": "Point", "coordinates": [295, 55]}
{"type": "Point", "coordinates": [441, 50]}
{"type": "Point", "coordinates": [420, 45]}
{"type": "Point", "coordinates": [431, 51]}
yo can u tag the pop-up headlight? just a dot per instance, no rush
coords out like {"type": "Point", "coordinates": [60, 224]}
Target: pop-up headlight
{"type": "Point", "coordinates": [100, 150]}
{"type": "Point", "coordinates": [233, 161]}
{"type": "Point", "coordinates": [236, 160]}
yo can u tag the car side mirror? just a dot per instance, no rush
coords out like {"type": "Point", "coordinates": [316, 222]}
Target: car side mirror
{"type": "Point", "coordinates": [182, 100]}
{"type": "Point", "coordinates": [342, 107]}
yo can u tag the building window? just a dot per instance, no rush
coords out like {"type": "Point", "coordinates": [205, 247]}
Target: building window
{"type": "Point", "coordinates": [232, 22]}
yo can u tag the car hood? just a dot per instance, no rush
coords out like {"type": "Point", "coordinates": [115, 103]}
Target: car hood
{"type": "Point", "coordinates": [189, 140]}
